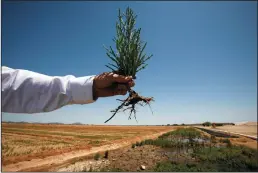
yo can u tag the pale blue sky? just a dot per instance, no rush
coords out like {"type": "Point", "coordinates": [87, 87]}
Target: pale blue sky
{"type": "Point", "coordinates": [204, 65]}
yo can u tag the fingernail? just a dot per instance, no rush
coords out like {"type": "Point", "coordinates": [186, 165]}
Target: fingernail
{"type": "Point", "coordinates": [115, 75]}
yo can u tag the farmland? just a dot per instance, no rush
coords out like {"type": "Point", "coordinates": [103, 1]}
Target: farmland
{"type": "Point", "coordinates": [53, 147]}
{"type": "Point", "coordinates": [25, 142]}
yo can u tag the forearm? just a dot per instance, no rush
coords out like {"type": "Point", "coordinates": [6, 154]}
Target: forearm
{"type": "Point", "coordinates": [29, 92]}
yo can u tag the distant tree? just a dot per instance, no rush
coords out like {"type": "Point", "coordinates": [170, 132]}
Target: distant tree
{"type": "Point", "coordinates": [206, 124]}
{"type": "Point", "coordinates": [168, 124]}
{"type": "Point", "coordinates": [219, 124]}
{"type": "Point", "coordinates": [77, 123]}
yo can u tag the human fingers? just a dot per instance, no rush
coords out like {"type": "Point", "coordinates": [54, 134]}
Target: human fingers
{"type": "Point", "coordinates": [119, 78]}
{"type": "Point", "coordinates": [119, 89]}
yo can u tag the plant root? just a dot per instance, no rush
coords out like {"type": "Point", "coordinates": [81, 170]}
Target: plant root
{"type": "Point", "coordinates": [130, 102]}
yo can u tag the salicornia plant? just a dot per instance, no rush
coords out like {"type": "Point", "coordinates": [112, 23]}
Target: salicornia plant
{"type": "Point", "coordinates": [129, 57]}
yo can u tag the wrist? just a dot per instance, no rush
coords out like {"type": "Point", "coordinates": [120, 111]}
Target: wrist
{"type": "Point", "coordinates": [81, 90]}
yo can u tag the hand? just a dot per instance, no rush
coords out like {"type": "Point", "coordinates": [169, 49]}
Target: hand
{"type": "Point", "coordinates": [110, 84]}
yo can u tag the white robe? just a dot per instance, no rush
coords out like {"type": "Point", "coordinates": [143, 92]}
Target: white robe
{"type": "Point", "coordinates": [25, 91]}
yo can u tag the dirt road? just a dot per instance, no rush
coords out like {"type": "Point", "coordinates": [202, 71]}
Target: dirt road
{"type": "Point", "coordinates": [33, 164]}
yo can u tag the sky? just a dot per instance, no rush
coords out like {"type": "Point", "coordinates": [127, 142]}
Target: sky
{"type": "Point", "coordinates": [204, 64]}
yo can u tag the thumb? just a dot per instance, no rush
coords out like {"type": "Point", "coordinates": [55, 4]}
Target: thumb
{"type": "Point", "coordinates": [120, 78]}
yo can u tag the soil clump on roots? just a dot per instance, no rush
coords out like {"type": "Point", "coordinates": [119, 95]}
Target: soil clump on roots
{"type": "Point", "coordinates": [129, 104]}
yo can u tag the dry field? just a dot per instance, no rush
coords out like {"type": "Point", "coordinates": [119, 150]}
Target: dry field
{"type": "Point", "coordinates": [25, 142]}
{"type": "Point", "coordinates": [249, 128]}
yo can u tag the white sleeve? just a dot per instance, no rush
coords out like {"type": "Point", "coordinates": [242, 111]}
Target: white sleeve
{"type": "Point", "coordinates": [29, 92]}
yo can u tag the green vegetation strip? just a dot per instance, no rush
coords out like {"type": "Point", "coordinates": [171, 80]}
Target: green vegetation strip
{"type": "Point", "coordinates": [231, 159]}
{"type": "Point", "coordinates": [173, 138]}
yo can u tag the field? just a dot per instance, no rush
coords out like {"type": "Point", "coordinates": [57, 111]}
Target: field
{"type": "Point", "coordinates": [66, 148]}
{"type": "Point", "coordinates": [23, 144]}
{"type": "Point", "coordinates": [248, 128]}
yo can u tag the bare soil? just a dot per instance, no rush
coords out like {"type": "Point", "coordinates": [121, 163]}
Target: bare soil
{"type": "Point", "coordinates": [126, 159]}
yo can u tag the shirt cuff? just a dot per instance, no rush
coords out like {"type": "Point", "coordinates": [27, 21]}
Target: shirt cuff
{"type": "Point", "coordinates": [81, 90]}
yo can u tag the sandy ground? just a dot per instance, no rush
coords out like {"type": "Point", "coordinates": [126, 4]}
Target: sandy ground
{"type": "Point", "coordinates": [248, 123]}
{"type": "Point", "coordinates": [126, 158]}
{"type": "Point", "coordinates": [243, 129]}
{"type": "Point", "coordinates": [247, 129]}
